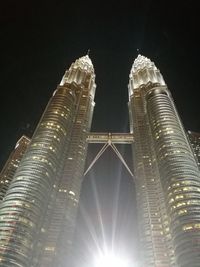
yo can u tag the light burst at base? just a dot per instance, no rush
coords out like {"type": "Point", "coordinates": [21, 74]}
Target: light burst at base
{"type": "Point", "coordinates": [110, 260]}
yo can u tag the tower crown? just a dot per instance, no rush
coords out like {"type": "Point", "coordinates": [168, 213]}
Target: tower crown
{"type": "Point", "coordinates": [78, 71]}
{"type": "Point", "coordinates": [143, 72]}
{"type": "Point", "coordinates": [142, 62]}
{"type": "Point", "coordinates": [84, 63]}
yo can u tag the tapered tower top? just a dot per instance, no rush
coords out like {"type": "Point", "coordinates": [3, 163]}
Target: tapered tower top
{"type": "Point", "coordinates": [83, 63]}
{"type": "Point", "coordinates": [78, 70]}
{"type": "Point", "coordinates": [142, 62]}
{"type": "Point", "coordinates": [144, 72]}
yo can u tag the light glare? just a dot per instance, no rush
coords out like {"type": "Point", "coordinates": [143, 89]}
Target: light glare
{"type": "Point", "coordinates": [110, 260]}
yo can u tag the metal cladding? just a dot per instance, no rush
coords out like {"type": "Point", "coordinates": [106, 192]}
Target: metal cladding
{"type": "Point", "coordinates": [38, 210]}
{"type": "Point", "coordinates": [154, 246]}
{"type": "Point", "coordinates": [24, 207]}
{"type": "Point", "coordinates": [180, 177]}
{"type": "Point", "coordinates": [80, 78]}
{"type": "Point", "coordinates": [161, 141]}
{"type": "Point", "coordinates": [144, 72]}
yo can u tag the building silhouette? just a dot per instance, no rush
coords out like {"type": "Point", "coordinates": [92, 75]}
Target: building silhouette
{"type": "Point", "coordinates": [152, 215]}
{"type": "Point", "coordinates": [48, 180]}
{"type": "Point", "coordinates": [57, 246]}
{"type": "Point", "coordinates": [167, 174]}
{"type": "Point", "coordinates": [12, 164]}
{"type": "Point", "coordinates": [38, 210]}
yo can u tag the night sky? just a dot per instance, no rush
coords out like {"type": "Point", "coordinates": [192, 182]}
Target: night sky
{"type": "Point", "coordinates": [39, 40]}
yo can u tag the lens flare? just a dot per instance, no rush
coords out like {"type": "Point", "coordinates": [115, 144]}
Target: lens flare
{"type": "Point", "coordinates": [110, 260]}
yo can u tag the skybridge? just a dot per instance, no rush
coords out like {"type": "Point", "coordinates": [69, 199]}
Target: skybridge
{"type": "Point", "coordinates": [110, 140]}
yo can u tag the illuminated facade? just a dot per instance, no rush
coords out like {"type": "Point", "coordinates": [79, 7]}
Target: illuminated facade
{"type": "Point", "coordinates": [57, 248]}
{"type": "Point", "coordinates": [12, 164]}
{"type": "Point", "coordinates": [39, 208]}
{"type": "Point", "coordinates": [167, 174]}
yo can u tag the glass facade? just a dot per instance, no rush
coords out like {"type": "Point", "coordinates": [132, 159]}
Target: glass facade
{"type": "Point", "coordinates": [38, 212]}
{"type": "Point", "coordinates": [180, 176]}
{"type": "Point", "coordinates": [168, 178]}
{"type": "Point", "coordinates": [155, 240]}
{"type": "Point", "coordinates": [57, 246]}
{"type": "Point", "coordinates": [41, 182]}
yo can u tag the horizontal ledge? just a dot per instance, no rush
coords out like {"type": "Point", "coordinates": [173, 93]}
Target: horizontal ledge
{"type": "Point", "coordinates": [115, 138]}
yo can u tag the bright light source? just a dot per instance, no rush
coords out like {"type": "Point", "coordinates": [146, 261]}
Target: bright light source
{"type": "Point", "coordinates": [110, 260]}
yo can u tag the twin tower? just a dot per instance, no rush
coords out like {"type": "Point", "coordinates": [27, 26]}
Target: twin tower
{"type": "Point", "coordinates": [38, 211]}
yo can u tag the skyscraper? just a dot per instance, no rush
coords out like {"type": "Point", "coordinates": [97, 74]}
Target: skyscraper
{"type": "Point", "coordinates": [12, 164]}
{"type": "Point", "coordinates": [38, 210]}
{"type": "Point", "coordinates": [57, 246]}
{"type": "Point", "coordinates": [167, 175]}
{"type": "Point", "coordinates": [48, 176]}
{"type": "Point", "coordinates": [152, 216]}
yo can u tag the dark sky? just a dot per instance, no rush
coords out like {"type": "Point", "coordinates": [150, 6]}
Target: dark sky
{"type": "Point", "coordinates": [39, 40]}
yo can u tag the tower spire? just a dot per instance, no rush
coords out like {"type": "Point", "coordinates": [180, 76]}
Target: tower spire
{"type": "Point", "coordinates": [144, 71]}
{"type": "Point", "coordinates": [84, 64]}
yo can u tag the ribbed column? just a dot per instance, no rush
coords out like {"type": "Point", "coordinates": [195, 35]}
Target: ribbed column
{"type": "Point", "coordinates": [153, 248]}
{"type": "Point", "coordinates": [180, 176]}
{"type": "Point", "coordinates": [154, 243]}
{"type": "Point", "coordinates": [57, 249]}
{"type": "Point", "coordinates": [72, 181]}
{"type": "Point", "coordinates": [22, 211]}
